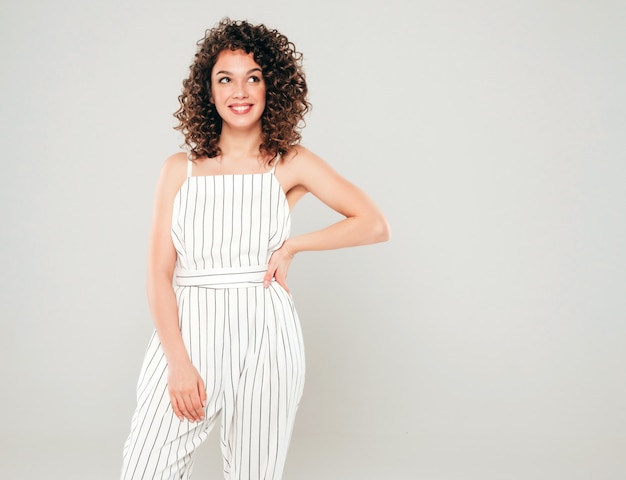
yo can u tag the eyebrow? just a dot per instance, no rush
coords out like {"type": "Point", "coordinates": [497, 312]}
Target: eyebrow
{"type": "Point", "coordinates": [226, 72]}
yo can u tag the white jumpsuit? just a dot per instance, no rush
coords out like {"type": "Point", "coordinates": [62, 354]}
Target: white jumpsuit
{"type": "Point", "coordinates": [244, 339]}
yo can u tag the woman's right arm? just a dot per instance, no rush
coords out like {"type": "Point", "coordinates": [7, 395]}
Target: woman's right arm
{"type": "Point", "coordinates": [186, 388]}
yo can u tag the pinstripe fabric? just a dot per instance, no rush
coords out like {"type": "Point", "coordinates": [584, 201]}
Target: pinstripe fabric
{"type": "Point", "coordinates": [245, 340]}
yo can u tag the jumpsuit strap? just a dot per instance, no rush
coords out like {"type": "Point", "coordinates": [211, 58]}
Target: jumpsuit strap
{"type": "Point", "coordinates": [189, 165]}
{"type": "Point", "coordinates": [274, 163]}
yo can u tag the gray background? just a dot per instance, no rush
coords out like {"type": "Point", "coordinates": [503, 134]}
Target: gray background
{"type": "Point", "coordinates": [484, 341]}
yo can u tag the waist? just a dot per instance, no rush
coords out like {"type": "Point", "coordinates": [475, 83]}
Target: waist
{"type": "Point", "coordinates": [235, 277]}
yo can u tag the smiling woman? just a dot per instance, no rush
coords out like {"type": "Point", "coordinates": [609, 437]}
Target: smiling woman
{"type": "Point", "coordinates": [238, 90]}
{"type": "Point", "coordinates": [281, 73]}
{"type": "Point", "coordinates": [227, 338]}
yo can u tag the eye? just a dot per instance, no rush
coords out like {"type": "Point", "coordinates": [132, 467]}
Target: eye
{"type": "Point", "coordinates": [254, 79]}
{"type": "Point", "coordinates": [223, 80]}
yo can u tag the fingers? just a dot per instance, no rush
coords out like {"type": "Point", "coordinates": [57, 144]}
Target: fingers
{"type": "Point", "coordinates": [278, 267]}
{"type": "Point", "coordinates": [189, 403]}
{"type": "Point", "coordinates": [202, 393]}
{"type": "Point", "coordinates": [267, 279]}
{"type": "Point", "coordinates": [195, 410]}
{"type": "Point", "coordinates": [189, 407]}
{"type": "Point", "coordinates": [281, 280]}
{"type": "Point", "coordinates": [177, 410]}
{"type": "Point", "coordinates": [276, 274]}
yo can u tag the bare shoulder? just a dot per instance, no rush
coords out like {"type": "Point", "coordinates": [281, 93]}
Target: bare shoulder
{"type": "Point", "coordinates": [173, 175]}
{"type": "Point", "coordinates": [297, 167]}
{"type": "Point", "coordinates": [299, 156]}
{"type": "Point", "coordinates": [175, 165]}
{"type": "Point", "coordinates": [302, 163]}
{"type": "Point", "coordinates": [174, 171]}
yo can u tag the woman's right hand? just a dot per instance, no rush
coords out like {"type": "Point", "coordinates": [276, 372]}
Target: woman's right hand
{"type": "Point", "coordinates": [187, 392]}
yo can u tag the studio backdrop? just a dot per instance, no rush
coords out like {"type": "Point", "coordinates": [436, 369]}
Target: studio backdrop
{"type": "Point", "coordinates": [484, 341]}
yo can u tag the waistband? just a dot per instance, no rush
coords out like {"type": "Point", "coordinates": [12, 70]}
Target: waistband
{"type": "Point", "coordinates": [236, 277]}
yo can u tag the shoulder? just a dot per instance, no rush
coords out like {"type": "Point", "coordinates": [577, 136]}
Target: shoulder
{"type": "Point", "coordinates": [304, 163]}
{"type": "Point", "coordinates": [299, 154]}
{"type": "Point", "coordinates": [175, 165]}
{"type": "Point", "coordinates": [173, 174]}
{"type": "Point", "coordinates": [301, 162]}
{"type": "Point", "coordinates": [295, 166]}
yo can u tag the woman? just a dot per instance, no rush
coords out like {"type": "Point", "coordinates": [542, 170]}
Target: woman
{"type": "Point", "coordinates": [227, 338]}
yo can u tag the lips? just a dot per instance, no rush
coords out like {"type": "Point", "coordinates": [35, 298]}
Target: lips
{"type": "Point", "coordinates": [240, 109]}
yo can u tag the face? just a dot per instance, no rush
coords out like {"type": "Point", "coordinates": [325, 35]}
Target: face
{"type": "Point", "coordinates": [238, 90]}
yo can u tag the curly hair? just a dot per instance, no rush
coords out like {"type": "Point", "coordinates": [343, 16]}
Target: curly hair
{"type": "Point", "coordinates": [286, 90]}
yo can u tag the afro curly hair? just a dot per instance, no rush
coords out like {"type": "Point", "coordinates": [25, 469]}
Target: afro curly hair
{"type": "Point", "coordinates": [286, 89]}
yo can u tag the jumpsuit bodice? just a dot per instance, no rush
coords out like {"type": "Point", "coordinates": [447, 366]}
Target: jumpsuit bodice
{"type": "Point", "coordinates": [225, 228]}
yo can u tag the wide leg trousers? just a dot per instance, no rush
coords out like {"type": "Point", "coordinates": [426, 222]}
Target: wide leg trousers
{"type": "Point", "coordinates": [247, 345]}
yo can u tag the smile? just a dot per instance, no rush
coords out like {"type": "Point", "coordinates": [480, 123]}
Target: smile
{"type": "Point", "coordinates": [240, 109]}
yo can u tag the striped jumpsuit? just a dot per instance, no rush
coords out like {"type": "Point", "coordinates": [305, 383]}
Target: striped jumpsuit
{"type": "Point", "coordinates": [244, 339]}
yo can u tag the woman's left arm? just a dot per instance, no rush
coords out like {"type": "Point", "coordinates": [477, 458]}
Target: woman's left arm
{"type": "Point", "coordinates": [363, 224]}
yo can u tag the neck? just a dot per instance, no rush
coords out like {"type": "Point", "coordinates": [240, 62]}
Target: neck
{"type": "Point", "coordinates": [238, 143]}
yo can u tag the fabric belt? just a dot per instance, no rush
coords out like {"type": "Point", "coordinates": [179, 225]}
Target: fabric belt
{"type": "Point", "coordinates": [236, 277]}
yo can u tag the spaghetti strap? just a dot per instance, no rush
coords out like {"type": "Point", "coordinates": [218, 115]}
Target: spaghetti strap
{"type": "Point", "coordinates": [189, 165]}
{"type": "Point", "coordinates": [276, 160]}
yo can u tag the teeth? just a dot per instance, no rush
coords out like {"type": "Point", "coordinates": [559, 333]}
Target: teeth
{"type": "Point", "coordinates": [241, 109]}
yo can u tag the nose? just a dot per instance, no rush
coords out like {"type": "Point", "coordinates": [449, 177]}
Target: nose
{"type": "Point", "coordinates": [241, 90]}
